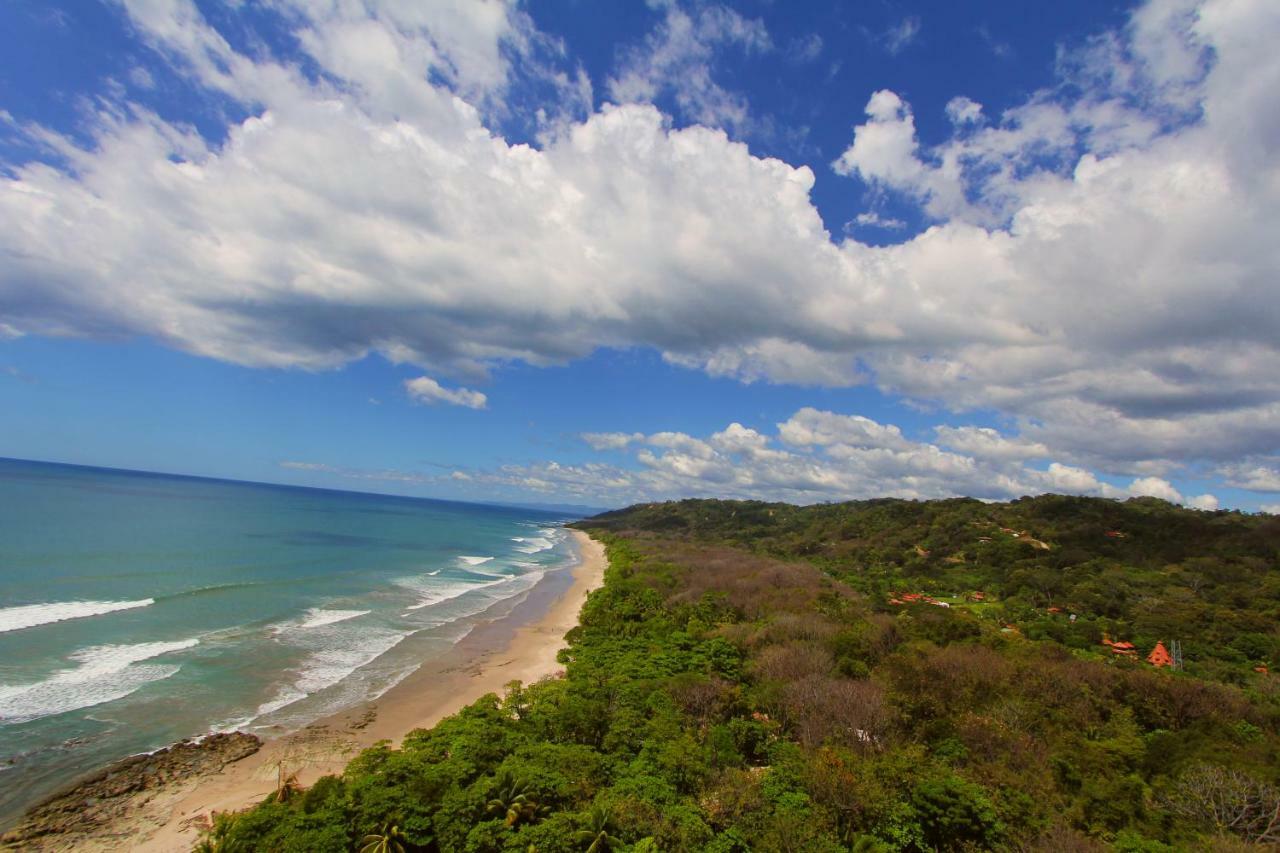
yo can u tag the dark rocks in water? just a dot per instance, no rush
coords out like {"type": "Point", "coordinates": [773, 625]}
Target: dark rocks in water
{"type": "Point", "coordinates": [93, 801]}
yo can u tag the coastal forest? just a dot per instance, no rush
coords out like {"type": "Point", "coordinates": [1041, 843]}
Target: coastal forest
{"type": "Point", "coordinates": [1048, 674]}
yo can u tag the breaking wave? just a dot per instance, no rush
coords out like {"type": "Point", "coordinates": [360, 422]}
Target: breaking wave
{"type": "Point", "coordinates": [103, 674]}
{"type": "Point", "coordinates": [31, 615]}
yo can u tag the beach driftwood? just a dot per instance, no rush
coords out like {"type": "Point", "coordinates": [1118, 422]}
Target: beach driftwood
{"type": "Point", "coordinates": [96, 802]}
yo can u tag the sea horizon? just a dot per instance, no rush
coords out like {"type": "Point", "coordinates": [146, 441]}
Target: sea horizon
{"type": "Point", "coordinates": [140, 608]}
{"type": "Point", "coordinates": [557, 509]}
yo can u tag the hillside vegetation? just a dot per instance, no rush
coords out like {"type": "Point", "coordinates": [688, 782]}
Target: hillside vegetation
{"type": "Point", "coordinates": [764, 677]}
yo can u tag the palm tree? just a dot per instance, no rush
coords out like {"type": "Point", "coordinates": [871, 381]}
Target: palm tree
{"type": "Point", "coordinates": [597, 836]}
{"type": "Point", "coordinates": [390, 840]}
{"type": "Point", "coordinates": [286, 788]}
{"type": "Point", "coordinates": [514, 802]}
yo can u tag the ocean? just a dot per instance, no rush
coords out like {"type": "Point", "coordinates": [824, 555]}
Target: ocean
{"type": "Point", "coordinates": [137, 609]}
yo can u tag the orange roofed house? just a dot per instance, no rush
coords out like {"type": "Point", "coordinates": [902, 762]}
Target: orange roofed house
{"type": "Point", "coordinates": [1160, 656]}
{"type": "Point", "coordinates": [1123, 647]}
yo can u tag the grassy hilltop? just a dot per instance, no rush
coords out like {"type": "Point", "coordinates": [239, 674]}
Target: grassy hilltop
{"type": "Point", "coordinates": [765, 677]}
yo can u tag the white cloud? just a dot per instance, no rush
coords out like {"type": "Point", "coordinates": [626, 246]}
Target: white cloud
{"type": "Point", "coordinates": [307, 466]}
{"type": "Point", "coordinates": [1001, 49]}
{"type": "Point", "coordinates": [424, 389]}
{"type": "Point", "coordinates": [1205, 502]}
{"type": "Point", "coordinates": [611, 440]}
{"type": "Point", "coordinates": [817, 456]}
{"type": "Point", "coordinates": [141, 77]}
{"type": "Point", "coordinates": [885, 148]}
{"type": "Point", "coordinates": [962, 110]}
{"type": "Point", "coordinates": [1271, 509]}
{"type": "Point", "coordinates": [1254, 477]}
{"type": "Point", "coordinates": [901, 35]}
{"type": "Point", "coordinates": [678, 58]}
{"type": "Point", "coordinates": [811, 457]}
{"type": "Point", "coordinates": [811, 427]}
{"type": "Point", "coordinates": [875, 220]}
{"type": "Point", "coordinates": [1156, 488]}
{"type": "Point", "coordinates": [1101, 268]}
{"type": "Point", "coordinates": [986, 443]}
{"type": "Point", "coordinates": [386, 475]}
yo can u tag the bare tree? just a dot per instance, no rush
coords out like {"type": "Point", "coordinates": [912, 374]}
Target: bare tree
{"type": "Point", "coordinates": [844, 710]}
{"type": "Point", "coordinates": [313, 746]}
{"type": "Point", "coordinates": [793, 661]}
{"type": "Point", "coordinates": [1233, 802]}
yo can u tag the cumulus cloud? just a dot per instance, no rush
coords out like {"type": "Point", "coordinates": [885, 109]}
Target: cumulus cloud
{"type": "Point", "coordinates": [1204, 502]}
{"type": "Point", "coordinates": [1100, 267]}
{"type": "Point", "coordinates": [818, 456]}
{"type": "Point", "coordinates": [424, 389]}
{"type": "Point", "coordinates": [811, 427]}
{"type": "Point", "coordinates": [811, 457]}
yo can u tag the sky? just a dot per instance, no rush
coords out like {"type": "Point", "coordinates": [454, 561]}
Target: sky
{"type": "Point", "coordinates": [601, 253]}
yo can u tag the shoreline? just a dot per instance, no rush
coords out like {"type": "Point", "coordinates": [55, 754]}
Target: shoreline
{"type": "Point", "coordinates": [519, 645]}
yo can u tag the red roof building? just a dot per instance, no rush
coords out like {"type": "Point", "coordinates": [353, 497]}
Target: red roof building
{"type": "Point", "coordinates": [1160, 656]}
{"type": "Point", "coordinates": [1123, 647]}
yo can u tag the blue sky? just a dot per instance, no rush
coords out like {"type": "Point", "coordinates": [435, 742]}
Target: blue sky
{"type": "Point", "coordinates": [599, 253]}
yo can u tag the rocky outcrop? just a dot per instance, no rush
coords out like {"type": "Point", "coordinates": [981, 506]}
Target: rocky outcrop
{"type": "Point", "coordinates": [94, 802]}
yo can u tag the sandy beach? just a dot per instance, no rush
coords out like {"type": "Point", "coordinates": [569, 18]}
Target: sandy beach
{"type": "Point", "coordinates": [519, 646]}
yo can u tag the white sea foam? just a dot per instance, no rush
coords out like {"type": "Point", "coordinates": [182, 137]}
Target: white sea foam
{"type": "Point", "coordinates": [334, 653]}
{"type": "Point", "coordinates": [103, 674]}
{"type": "Point", "coordinates": [499, 590]}
{"type": "Point", "coordinates": [532, 544]}
{"type": "Point", "coordinates": [287, 696]}
{"type": "Point", "coordinates": [318, 617]}
{"type": "Point", "coordinates": [337, 651]}
{"type": "Point", "coordinates": [437, 594]}
{"type": "Point", "coordinates": [475, 561]}
{"type": "Point", "coordinates": [31, 615]}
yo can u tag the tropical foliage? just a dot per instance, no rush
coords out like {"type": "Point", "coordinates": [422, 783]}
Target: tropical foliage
{"type": "Point", "coordinates": [745, 681]}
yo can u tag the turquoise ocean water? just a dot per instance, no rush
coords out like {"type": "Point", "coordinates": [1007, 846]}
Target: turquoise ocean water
{"type": "Point", "coordinates": [138, 609]}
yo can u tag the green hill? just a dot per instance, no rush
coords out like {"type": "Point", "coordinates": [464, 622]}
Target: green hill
{"type": "Point", "coordinates": [761, 677]}
{"type": "Point", "coordinates": [1142, 570]}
